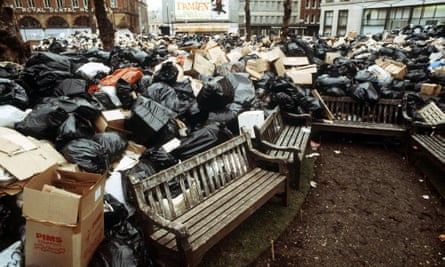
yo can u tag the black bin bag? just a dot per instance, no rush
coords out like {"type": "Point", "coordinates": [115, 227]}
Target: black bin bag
{"type": "Point", "coordinates": [113, 143]}
{"type": "Point", "coordinates": [202, 139]}
{"type": "Point", "coordinates": [13, 94]}
{"type": "Point", "coordinates": [88, 154]}
{"type": "Point", "coordinates": [147, 118]}
{"type": "Point", "coordinates": [72, 128]}
{"type": "Point", "coordinates": [215, 94]}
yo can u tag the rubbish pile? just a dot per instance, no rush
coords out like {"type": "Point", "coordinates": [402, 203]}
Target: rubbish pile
{"type": "Point", "coordinates": [150, 103]}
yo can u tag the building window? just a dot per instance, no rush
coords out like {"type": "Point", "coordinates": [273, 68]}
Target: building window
{"type": "Point", "coordinates": [75, 3]}
{"type": "Point", "coordinates": [307, 4]}
{"type": "Point", "coordinates": [59, 3]}
{"type": "Point", "coordinates": [113, 3]}
{"type": "Point", "coordinates": [328, 16]}
{"type": "Point", "coordinates": [18, 3]}
{"type": "Point", "coordinates": [46, 3]}
{"type": "Point", "coordinates": [342, 22]}
{"type": "Point", "coordinates": [31, 3]}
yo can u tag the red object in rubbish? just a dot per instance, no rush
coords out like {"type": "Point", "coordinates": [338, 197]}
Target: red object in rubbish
{"type": "Point", "coordinates": [93, 88]}
{"type": "Point", "coordinates": [131, 75]}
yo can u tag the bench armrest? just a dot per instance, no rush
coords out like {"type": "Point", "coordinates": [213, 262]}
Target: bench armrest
{"type": "Point", "coordinates": [264, 157]}
{"type": "Point", "coordinates": [270, 145]}
{"type": "Point", "coordinates": [177, 228]}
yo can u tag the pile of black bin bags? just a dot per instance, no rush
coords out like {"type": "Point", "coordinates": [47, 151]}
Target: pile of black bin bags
{"type": "Point", "coordinates": [52, 97]}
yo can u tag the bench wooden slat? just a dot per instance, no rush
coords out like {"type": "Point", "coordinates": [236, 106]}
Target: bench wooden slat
{"type": "Point", "coordinates": [383, 118]}
{"type": "Point", "coordinates": [211, 218]}
{"type": "Point", "coordinates": [433, 145]}
{"type": "Point", "coordinates": [219, 188]}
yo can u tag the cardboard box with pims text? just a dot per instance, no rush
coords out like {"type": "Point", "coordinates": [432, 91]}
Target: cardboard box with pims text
{"type": "Point", "coordinates": [62, 229]}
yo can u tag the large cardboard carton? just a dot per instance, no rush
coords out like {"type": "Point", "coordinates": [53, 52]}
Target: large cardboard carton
{"type": "Point", "coordinates": [430, 89]}
{"type": "Point", "coordinates": [396, 69]}
{"type": "Point", "coordinates": [295, 61]}
{"type": "Point", "coordinates": [113, 120]}
{"type": "Point", "coordinates": [63, 227]}
{"type": "Point", "coordinates": [330, 56]}
{"type": "Point", "coordinates": [302, 75]}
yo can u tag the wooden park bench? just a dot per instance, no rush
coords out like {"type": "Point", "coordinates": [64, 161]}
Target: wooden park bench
{"type": "Point", "coordinates": [192, 205]}
{"type": "Point", "coordinates": [387, 117]}
{"type": "Point", "coordinates": [285, 135]}
{"type": "Point", "coordinates": [429, 136]}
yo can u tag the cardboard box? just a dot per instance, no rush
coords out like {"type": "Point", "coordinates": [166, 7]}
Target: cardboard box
{"type": "Point", "coordinates": [113, 120]}
{"type": "Point", "coordinates": [396, 69]}
{"type": "Point", "coordinates": [295, 61]}
{"type": "Point", "coordinates": [203, 66]}
{"type": "Point", "coordinates": [257, 67]}
{"type": "Point", "coordinates": [248, 119]}
{"type": "Point", "coordinates": [63, 229]}
{"type": "Point", "coordinates": [330, 56]}
{"type": "Point", "coordinates": [302, 75]}
{"type": "Point", "coordinates": [15, 149]}
{"type": "Point", "coordinates": [430, 89]}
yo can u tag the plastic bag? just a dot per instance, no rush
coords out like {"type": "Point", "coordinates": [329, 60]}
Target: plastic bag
{"type": "Point", "coordinates": [159, 158]}
{"type": "Point", "coordinates": [42, 122]}
{"type": "Point", "coordinates": [11, 115]}
{"type": "Point", "coordinates": [215, 94]}
{"type": "Point", "coordinates": [364, 92]}
{"type": "Point", "coordinates": [114, 144]}
{"type": "Point", "coordinates": [71, 87]}
{"type": "Point", "coordinates": [13, 255]}
{"type": "Point", "coordinates": [13, 94]}
{"type": "Point", "coordinates": [147, 118]}
{"type": "Point", "coordinates": [91, 69]}
{"type": "Point", "coordinates": [124, 242]}
{"type": "Point", "coordinates": [325, 81]}
{"type": "Point", "coordinates": [168, 73]}
{"type": "Point", "coordinates": [88, 154]}
{"type": "Point", "coordinates": [312, 105]}
{"type": "Point", "coordinates": [124, 93]}
{"type": "Point", "coordinates": [202, 139]}
{"type": "Point", "coordinates": [244, 88]}
{"type": "Point", "coordinates": [166, 95]}
{"type": "Point", "coordinates": [72, 128]}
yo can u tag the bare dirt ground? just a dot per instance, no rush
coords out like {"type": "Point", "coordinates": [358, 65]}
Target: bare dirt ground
{"type": "Point", "coordinates": [370, 208]}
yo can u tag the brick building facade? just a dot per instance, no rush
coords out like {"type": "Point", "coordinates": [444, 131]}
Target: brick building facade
{"type": "Point", "coordinates": [38, 19]}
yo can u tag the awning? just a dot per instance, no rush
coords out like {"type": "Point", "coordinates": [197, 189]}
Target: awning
{"type": "Point", "coordinates": [201, 28]}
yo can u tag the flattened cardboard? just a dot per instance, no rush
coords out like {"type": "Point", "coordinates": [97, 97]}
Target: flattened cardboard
{"type": "Point", "coordinates": [15, 149]}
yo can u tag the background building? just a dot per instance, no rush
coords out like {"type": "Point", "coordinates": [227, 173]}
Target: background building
{"type": "Point", "coordinates": [39, 19]}
{"type": "Point", "coordinates": [199, 16]}
{"type": "Point", "coordinates": [266, 17]}
{"type": "Point", "coordinates": [367, 17]}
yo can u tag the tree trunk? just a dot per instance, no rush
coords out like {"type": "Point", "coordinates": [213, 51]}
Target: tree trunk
{"type": "Point", "coordinates": [286, 19]}
{"type": "Point", "coordinates": [247, 13]}
{"type": "Point", "coordinates": [12, 47]}
{"type": "Point", "coordinates": [106, 31]}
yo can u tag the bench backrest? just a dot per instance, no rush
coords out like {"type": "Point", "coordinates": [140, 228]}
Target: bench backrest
{"type": "Point", "coordinates": [171, 192]}
{"type": "Point", "coordinates": [432, 114]}
{"type": "Point", "coordinates": [271, 127]}
{"type": "Point", "coordinates": [348, 109]}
